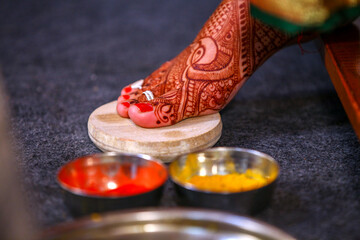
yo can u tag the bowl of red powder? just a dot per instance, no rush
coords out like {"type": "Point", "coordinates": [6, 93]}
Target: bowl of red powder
{"type": "Point", "coordinates": [111, 181]}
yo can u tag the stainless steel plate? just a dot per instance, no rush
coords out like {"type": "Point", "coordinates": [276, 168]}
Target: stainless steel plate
{"type": "Point", "coordinates": [172, 223]}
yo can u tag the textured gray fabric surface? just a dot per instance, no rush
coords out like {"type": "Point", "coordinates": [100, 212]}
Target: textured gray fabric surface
{"type": "Point", "coordinates": [62, 59]}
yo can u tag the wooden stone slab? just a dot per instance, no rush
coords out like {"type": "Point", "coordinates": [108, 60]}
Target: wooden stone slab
{"type": "Point", "coordinates": [110, 132]}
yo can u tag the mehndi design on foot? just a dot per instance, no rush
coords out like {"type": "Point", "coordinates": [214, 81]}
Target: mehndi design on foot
{"type": "Point", "coordinates": [208, 73]}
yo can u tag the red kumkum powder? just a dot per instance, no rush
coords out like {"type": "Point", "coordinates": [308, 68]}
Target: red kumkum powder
{"type": "Point", "coordinates": [112, 179]}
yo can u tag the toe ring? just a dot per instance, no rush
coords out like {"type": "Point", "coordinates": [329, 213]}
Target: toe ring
{"type": "Point", "coordinates": [149, 95]}
{"type": "Point", "coordinates": [137, 84]}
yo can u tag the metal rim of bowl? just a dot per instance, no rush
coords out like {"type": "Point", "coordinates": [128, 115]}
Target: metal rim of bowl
{"type": "Point", "coordinates": [150, 215]}
{"type": "Point", "coordinates": [251, 151]}
{"type": "Point", "coordinates": [80, 192]}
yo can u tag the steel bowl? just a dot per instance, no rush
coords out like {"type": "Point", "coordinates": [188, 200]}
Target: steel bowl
{"type": "Point", "coordinates": [111, 181]}
{"type": "Point", "coordinates": [164, 224]}
{"type": "Point", "coordinates": [222, 161]}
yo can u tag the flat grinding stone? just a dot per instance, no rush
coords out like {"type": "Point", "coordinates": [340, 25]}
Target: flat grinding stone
{"type": "Point", "coordinates": [110, 132]}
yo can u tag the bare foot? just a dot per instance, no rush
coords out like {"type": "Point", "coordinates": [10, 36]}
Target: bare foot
{"type": "Point", "coordinates": [205, 76]}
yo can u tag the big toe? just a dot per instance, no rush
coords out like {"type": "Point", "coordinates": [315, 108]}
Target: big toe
{"type": "Point", "coordinates": [143, 115]}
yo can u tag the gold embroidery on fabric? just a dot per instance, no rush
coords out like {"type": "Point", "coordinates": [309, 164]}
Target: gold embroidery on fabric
{"type": "Point", "coordinates": [303, 12]}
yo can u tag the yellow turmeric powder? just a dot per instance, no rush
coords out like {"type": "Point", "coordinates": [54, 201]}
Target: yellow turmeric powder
{"type": "Point", "coordinates": [233, 182]}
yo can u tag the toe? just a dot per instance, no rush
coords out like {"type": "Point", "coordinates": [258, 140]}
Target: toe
{"type": "Point", "coordinates": [143, 115]}
{"type": "Point", "coordinates": [123, 98]}
{"type": "Point", "coordinates": [122, 109]}
{"type": "Point", "coordinates": [126, 90]}
{"type": "Point", "coordinates": [132, 87]}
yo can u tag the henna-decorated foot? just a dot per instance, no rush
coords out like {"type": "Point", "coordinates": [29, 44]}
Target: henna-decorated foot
{"type": "Point", "coordinates": [205, 76]}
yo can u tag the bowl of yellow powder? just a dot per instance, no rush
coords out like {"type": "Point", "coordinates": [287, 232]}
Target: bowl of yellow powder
{"type": "Point", "coordinates": [234, 179]}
